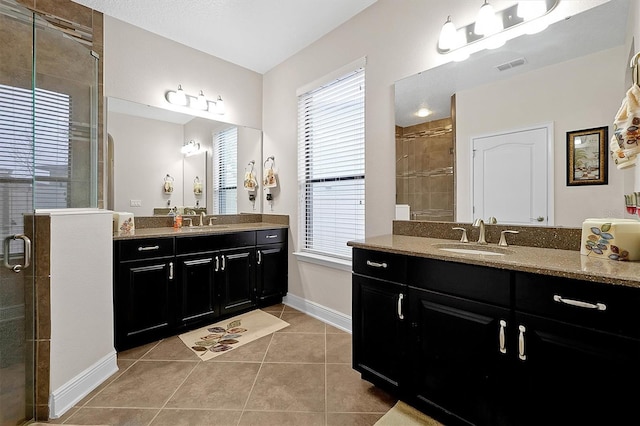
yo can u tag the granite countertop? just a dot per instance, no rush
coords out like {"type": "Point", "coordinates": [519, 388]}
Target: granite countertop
{"type": "Point", "coordinates": [196, 230]}
{"type": "Point", "coordinates": [555, 262]}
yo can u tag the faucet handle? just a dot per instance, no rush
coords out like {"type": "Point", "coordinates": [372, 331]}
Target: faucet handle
{"type": "Point", "coordinates": [492, 220]}
{"type": "Point", "coordinates": [503, 237]}
{"type": "Point", "coordinates": [464, 238]}
{"type": "Point", "coordinates": [189, 219]}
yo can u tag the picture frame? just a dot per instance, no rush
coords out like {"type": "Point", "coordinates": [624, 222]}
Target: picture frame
{"type": "Point", "coordinates": [587, 157]}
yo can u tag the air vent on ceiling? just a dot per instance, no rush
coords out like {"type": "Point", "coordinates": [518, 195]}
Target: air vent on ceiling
{"type": "Point", "coordinates": [511, 64]}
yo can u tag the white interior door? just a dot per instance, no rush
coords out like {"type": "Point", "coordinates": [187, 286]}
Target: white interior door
{"type": "Point", "coordinates": [511, 177]}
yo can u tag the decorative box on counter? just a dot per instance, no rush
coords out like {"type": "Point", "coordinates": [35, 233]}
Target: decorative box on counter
{"type": "Point", "coordinates": [610, 238]}
{"type": "Point", "coordinates": [123, 222]}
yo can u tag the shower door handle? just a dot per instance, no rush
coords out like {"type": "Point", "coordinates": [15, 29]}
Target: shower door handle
{"type": "Point", "coordinates": [27, 252]}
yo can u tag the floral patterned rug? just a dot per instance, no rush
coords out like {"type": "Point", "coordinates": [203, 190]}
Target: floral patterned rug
{"type": "Point", "coordinates": [216, 339]}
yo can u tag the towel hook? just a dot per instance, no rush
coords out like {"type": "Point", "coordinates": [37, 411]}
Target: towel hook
{"type": "Point", "coordinates": [634, 66]}
{"type": "Point", "coordinates": [273, 161]}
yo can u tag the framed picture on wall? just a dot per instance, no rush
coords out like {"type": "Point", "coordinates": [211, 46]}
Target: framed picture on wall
{"type": "Point", "coordinates": [587, 157]}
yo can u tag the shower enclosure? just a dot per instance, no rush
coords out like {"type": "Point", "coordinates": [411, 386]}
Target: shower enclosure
{"type": "Point", "coordinates": [48, 160]}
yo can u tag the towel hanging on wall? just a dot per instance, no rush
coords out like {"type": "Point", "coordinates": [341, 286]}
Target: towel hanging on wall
{"type": "Point", "coordinates": [625, 142]}
{"type": "Point", "coordinates": [270, 175]}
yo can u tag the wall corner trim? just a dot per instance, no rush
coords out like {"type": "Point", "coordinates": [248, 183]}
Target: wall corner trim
{"type": "Point", "coordinates": [324, 314]}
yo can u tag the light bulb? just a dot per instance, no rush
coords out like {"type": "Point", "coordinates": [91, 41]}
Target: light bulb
{"type": "Point", "coordinates": [180, 98]}
{"type": "Point", "coordinates": [486, 22]}
{"type": "Point", "coordinates": [220, 105]}
{"type": "Point", "coordinates": [531, 9]}
{"type": "Point", "coordinates": [202, 102]}
{"type": "Point", "coordinates": [447, 35]}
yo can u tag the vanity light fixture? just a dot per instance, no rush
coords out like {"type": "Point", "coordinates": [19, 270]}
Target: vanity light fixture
{"type": "Point", "coordinates": [493, 29]}
{"type": "Point", "coordinates": [200, 102]}
{"type": "Point", "coordinates": [190, 148]}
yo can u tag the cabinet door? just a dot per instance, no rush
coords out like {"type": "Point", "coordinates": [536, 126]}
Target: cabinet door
{"type": "Point", "coordinates": [197, 297]}
{"type": "Point", "coordinates": [459, 355]}
{"type": "Point", "coordinates": [378, 330]}
{"type": "Point", "coordinates": [144, 294]}
{"type": "Point", "coordinates": [271, 277]}
{"type": "Point", "coordinates": [572, 375]}
{"type": "Point", "coordinates": [236, 280]}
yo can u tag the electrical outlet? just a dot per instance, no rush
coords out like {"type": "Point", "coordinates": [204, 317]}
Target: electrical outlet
{"type": "Point", "coordinates": [135, 203]}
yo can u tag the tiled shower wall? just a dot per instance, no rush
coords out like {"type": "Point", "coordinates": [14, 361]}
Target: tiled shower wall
{"type": "Point", "coordinates": [424, 169]}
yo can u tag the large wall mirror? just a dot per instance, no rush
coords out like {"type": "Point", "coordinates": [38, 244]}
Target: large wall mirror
{"type": "Point", "coordinates": [145, 145]}
{"type": "Point", "coordinates": [569, 77]}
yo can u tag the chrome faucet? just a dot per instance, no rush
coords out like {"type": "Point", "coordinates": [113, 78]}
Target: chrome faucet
{"type": "Point", "coordinates": [202, 215]}
{"type": "Point", "coordinates": [480, 223]}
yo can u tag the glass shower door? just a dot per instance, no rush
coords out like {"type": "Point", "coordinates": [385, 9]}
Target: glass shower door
{"type": "Point", "coordinates": [16, 200]}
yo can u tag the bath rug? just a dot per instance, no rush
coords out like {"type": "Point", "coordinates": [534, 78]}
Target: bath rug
{"type": "Point", "coordinates": [216, 339]}
{"type": "Point", "coordinates": [402, 414]}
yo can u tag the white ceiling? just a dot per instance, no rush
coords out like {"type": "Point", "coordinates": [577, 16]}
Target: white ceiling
{"type": "Point", "coordinates": [255, 34]}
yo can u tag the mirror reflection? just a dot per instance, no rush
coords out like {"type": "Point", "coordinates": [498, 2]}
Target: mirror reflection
{"type": "Point", "coordinates": [567, 78]}
{"type": "Point", "coordinates": [204, 159]}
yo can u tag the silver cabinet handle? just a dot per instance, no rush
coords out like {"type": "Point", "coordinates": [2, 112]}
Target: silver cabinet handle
{"type": "Point", "coordinates": [503, 326]}
{"type": "Point", "coordinates": [224, 262]}
{"type": "Point", "coordinates": [27, 252]}
{"type": "Point", "coordinates": [580, 304]}
{"type": "Point", "coordinates": [271, 236]}
{"type": "Point", "coordinates": [400, 297]}
{"type": "Point", "coordinates": [217, 263]}
{"type": "Point", "coordinates": [198, 261]}
{"type": "Point", "coordinates": [148, 248]}
{"type": "Point", "coordinates": [376, 264]}
{"type": "Point", "coordinates": [521, 353]}
{"type": "Point", "coordinates": [170, 270]}
{"type": "Point", "coordinates": [259, 257]}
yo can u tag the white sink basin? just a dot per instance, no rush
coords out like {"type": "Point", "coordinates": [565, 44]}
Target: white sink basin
{"type": "Point", "coordinates": [473, 249]}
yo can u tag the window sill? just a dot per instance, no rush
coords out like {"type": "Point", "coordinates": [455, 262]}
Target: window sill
{"type": "Point", "coordinates": [329, 262]}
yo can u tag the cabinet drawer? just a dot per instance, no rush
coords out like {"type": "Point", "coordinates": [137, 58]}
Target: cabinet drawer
{"type": "Point", "coordinates": [599, 306]}
{"type": "Point", "coordinates": [145, 248]}
{"type": "Point", "coordinates": [206, 243]}
{"type": "Point", "coordinates": [460, 279]}
{"type": "Point", "coordinates": [382, 265]}
{"type": "Point", "coordinates": [271, 236]}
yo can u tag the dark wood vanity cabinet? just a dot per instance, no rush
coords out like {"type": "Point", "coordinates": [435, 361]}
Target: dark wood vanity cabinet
{"type": "Point", "coordinates": [578, 345]}
{"type": "Point", "coordinates": [166, 285]}
{"type": "Point", "coordinates": [144, 290]}
{"type": "Point", "coordinates": [379, 317]}
{"type": "Point", "coordinates": [271, 274]}
{"type": "Point", "coordinates": [459, 315]}
{"type": "Point", "coordinates": [496, 347]}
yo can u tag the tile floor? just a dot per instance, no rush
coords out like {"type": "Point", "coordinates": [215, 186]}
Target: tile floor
{"type": "Point", "coordinates": [300, 375]}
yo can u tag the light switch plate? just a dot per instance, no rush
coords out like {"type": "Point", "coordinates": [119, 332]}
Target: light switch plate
{"type": "Point", "coordinates": [135, 203]}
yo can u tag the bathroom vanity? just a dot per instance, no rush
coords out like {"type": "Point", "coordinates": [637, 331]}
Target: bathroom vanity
{"type": "Point", "coordinates": [527, 337]}
{"type": "Point", "coordinates": [167, 281]}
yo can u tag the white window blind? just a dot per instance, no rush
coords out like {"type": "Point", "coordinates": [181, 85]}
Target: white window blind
{"type": "Point", "coordinates": [331, 165]}
{"type": "Point", "coordinates": [34, 151]}
{"type": "Point", "coordinates": [225, 175]}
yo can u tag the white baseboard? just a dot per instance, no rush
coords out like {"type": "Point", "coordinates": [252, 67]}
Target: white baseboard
{"type": "Point", "coordinates": [324, 314]}
{"type": "Point", "coordinates": [63, 398]}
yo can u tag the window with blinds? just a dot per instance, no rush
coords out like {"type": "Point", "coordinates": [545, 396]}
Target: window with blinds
{"type": "Point", "coordinates": [331, 166]}
{"type": "Point", "coordinates": [34, 150]}
{"type": "Point", "coordinates": [225, 175]}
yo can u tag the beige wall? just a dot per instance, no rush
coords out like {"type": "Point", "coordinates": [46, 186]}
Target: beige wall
{"type": "Point", "coordinates": [141, 66]}
{"type": "Point", "coordinates": [556, 94]}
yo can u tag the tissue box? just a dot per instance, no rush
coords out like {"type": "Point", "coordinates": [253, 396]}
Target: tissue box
{"type": "Point", "coordinates": [123, 223]}
{"type": "Point", "coordinates": [608, 238]}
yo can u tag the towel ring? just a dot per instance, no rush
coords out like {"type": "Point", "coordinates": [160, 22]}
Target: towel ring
{"type": "Point", "coordinates": [251, 164]}
{"type": "Point", "coordinates": [634, 66]}
{"type": "Point", "coordinates": [273, 161]}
